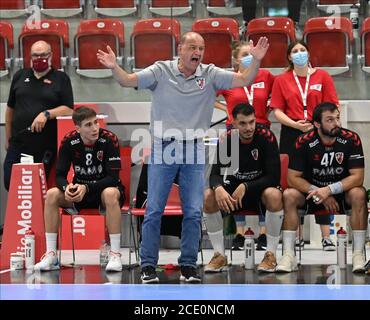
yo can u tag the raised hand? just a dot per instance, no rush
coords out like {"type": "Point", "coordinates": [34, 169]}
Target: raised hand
{"type": "Point", "coordinates": [259, 51]}
{"type": "Point", "coordinates": [107, 59]}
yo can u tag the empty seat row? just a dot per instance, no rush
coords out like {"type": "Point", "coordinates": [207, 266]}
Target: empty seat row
{"type": "Point", "coordinates": [151, 40]}
{"type": "Point", "coordinates": [157, 39]}
{"type": "Point", "coordinates": [114, 8]}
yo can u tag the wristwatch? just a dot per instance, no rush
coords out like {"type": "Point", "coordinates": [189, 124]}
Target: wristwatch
{"type": "Point", "coordinates": [216, 186]}
{"type": "Point", "coordinates": [47, 114]}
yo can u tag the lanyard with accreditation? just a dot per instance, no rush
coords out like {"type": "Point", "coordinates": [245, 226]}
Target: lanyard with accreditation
{"type": "Point", "coordinates": [249, 95]}
{"type": "Point", "coordinates": [303, 93]}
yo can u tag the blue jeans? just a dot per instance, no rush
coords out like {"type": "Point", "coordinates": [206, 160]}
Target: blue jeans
{"type": "Point", "coordinates": [167, 159]}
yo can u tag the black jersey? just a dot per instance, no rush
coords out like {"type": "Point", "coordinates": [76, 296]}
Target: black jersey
{"type": "Point", "coordinates": [259, 163]}
{"type": "Point", "coordinates": [326, 164]}
{"type": "Point", "coordinates": [97, 165]}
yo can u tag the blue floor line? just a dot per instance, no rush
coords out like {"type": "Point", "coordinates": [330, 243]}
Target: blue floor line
{"type": "Point", "coordinates": [182, 292]}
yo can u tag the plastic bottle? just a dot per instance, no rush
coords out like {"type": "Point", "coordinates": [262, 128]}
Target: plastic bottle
{"type": "Point", "coordinates": [29, 244]}
{"type": "Point", "coordinates": [104, 253]}
{"type": "Point", "coordinates": [249, 249]}
{"type": "Point", "coordinates": [353, 16]}
{"type": "Point", "coordinates": [342, 248]}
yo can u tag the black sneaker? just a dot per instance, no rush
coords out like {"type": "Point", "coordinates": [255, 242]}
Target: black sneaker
{"type": "Point", "coordinates": [189, 274]}
{"type": "Point", "coordinates": [367, 267]}
{"type": "Point", "coordinates": [149, 275]}
{"type": "Point", "coordinates": [261, 242]}
{"type": "Point", "coordinates": [327, 244]}
{"type": "Point", "coordinates": [238, 242]}
{"type": "Point", "coordinates": [299, 243]}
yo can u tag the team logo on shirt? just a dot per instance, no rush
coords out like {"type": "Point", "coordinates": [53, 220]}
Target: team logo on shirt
{"type": "Point", "coordinates": [201, 82]}
{"type": "Point", "coordinates": [254, 153]}
{"type": "Point", "coordinates": [259, 85]}
{"type": "Point", "coordinates": [99, 155]}
{"type": "Point", "coordinates": [339, 157]}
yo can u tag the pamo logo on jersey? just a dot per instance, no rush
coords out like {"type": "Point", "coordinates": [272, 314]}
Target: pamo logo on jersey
{"type": "Point", "coordinates": [254, 153]}
{"type": "Point", "coordinates": [339, 156]}
{"type": "Point", "coordinates": [201, 82]}
{"type": "Point", "coordinates": [99, 155]}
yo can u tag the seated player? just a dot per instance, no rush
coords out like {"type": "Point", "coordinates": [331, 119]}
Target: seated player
{"type": "Point", "coordinates": [253, 185]}
{"type": "Point", "coordinates": [95, 156]}
{"type": "Point", "coordinates": [326, 173]}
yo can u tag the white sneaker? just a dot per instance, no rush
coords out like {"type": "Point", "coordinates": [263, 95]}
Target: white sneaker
{"type": "Point", "coordinates": [358, 262]}
{"type": "Point", "coordinates": [298, 32]}
{"type": "Point", "coordinates": [49, 261]}
{"type": "Point", "coordinates": [114, 263]}
{"type": "Point", "coordinates": [287, 263]}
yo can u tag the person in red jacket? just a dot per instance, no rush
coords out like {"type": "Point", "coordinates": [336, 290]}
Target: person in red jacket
{"type": "Point", "coordinates": [257, 95]}
{"type": "Point", "coordinates": [295, 94]}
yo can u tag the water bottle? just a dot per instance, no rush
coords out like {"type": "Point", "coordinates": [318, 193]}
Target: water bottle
{"type": "Point", "coordinates": [249, 249]}
{"type": "Point", "coordinates": [29, 244]}
{"type": "Point", "coordinates": [353, 16]}
{"type": "Point", "coordinates": [342, 248]}
{"type": "Point", "coordinates": [104, 253]}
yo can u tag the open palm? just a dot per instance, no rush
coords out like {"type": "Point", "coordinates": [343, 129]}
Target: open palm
{"type": "Point", "coordinates": [259, 51]}
{"type": "Point", "coordinates": [108, 59]}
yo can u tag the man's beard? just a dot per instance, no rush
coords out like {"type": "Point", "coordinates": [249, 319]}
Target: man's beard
{"type": "Point", "coordinates": [332, 133]}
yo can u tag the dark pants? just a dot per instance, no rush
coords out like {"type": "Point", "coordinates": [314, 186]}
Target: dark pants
{"type": "Point", "coordinates": [249, 9]}
{"type": "Point", "coordinates": [288, 137]}
{"type": "Point", "coordinates": [13, 155]}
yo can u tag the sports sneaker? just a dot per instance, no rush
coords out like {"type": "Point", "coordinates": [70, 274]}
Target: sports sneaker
{"type": "Point", "coordinates": [189, 274]}
{"type": "Point", "coordinates": [114, 263]}
{"type": "Point", "coordinates": [268, 264]}
{"type": "Point", "coordinates": [299, 243]}
{"type": "Point", "coordinates": [218, 263]}
{"type": "Point", "coordinates": [261, 242]}
{"type": "Point", "coordinates": [149, 275]}
{"type": "Point", "coordinates": [327, 244]}
{"type": "Point", "coordinates": [358, 261]}
{"type": "Point", "coordinates": [49, 261]}
{"type": "Point", "coordinates": [367, 267]}
{"type": "Point", "coordinates": [287, 263]}
{"type": "Point", "coordinates": [238, 242]}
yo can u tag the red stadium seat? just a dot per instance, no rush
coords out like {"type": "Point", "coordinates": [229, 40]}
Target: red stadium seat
{"type": "Point", "coordinates": [280, 33]}
{"type": "Point", "coordinates": [173, 208]}
{"type": "Point", "coordinates": [343, 5]}
{"type": "Point", "coordinates": [6, 46]}
{"type": "Point", "coordinates": [153, 40]}
{"type": "Point", "coordinates": [365, 45]}
{"type": "Point", "coordinates": [55, 32]}
{"type": "Point", "coordinates": [218, 7]}
{"type": "Point", "coordinates": [93, 35]}
{"type": "Point", "coordinates": [218, 34]}
{"type": "Point", "coordinates": [62, 8]}
{"type": "Point", "coordinates": [116, 8]}
{"type": "Point", "coordinates": [13, 8]}
{"type": "Point", "coordinates": [170, 7]}
{"type": "Point", "coordinates": [325, 33]}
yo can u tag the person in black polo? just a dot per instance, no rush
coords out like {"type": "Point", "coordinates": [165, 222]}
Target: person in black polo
{"type": "Point", "coordinates": [37, 96]}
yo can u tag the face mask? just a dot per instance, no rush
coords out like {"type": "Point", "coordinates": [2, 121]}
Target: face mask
{"type": "Point", "coordinates": [300, 58]}
{"type": "Point", "coordinates": [246, 61]}
{"type": "Point", "coordinates": [40, 64]}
